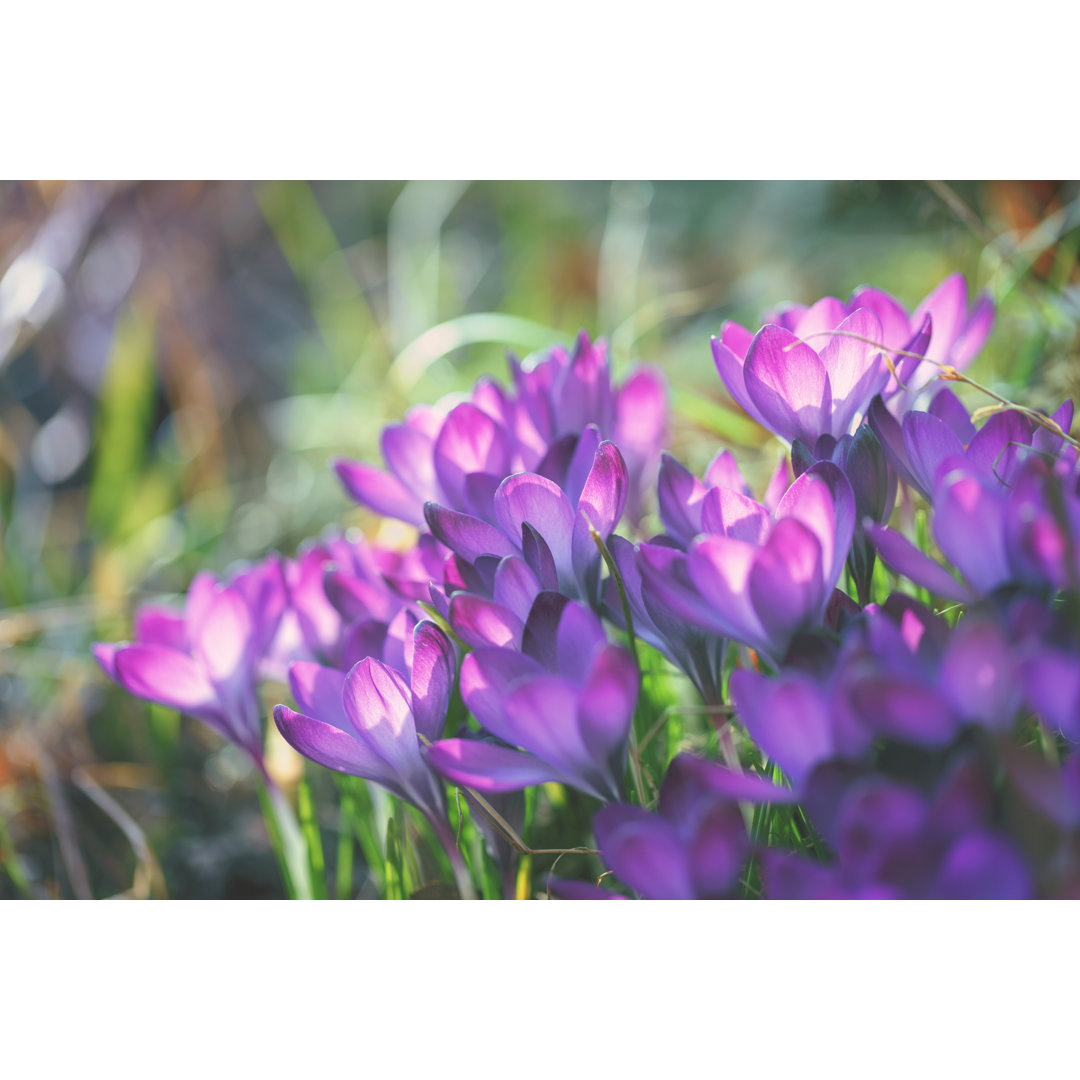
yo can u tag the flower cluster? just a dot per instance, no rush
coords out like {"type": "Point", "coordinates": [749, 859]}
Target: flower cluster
{"type": "Point", "coordinates": [886, 646]}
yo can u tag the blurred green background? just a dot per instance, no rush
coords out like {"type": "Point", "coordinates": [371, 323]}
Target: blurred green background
{"type": "Point", "coordinates": [178, 361]}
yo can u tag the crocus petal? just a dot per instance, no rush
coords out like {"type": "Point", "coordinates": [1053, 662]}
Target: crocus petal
{"type": "Point", "coordinates": [977, 329]}
{"type": "Point", "coordinates": [895, 325]}
{"type": "Point", "coordinates": [947, 306]}
{"type": "Point", "coordinates": [488, 768]}
{"type": "Point", "coordinates": [378, 703]}
{"type": "Point", "coordinates": [969, 527]}
{"type": "Point", "coordinates": [487, 678]}
{"type": "Point", "coordinates": [680, 495]}
{"type": "Point", "coordinates": [529, 498]}
{"type": "Point", "coordinates": [1000, 444]}
{"type": "Point", "coordinates": [856, 370]}
{"type": "Point", "coordinates": [719, 568]}
{"type": "Point", "coordinates": [928, 442]}
{"type": "Point", "coordinates": [470, 441]}
{"type": "Point", "coordinates": [432, 678]}
{"type": "Point", "coordinates": [606, 708]}
{"type": "Point", "coordinates": [788, 718]}
{"type": "Point", "coordinates": [156, 625]}
{"type": "Point", "coordinates": [480, 622]}
{"type": "Point", "coordinates": [407, 452]}
{"type": "Point", "coordinates": [947, 407]}
{"type": "Point", "coordinates": [789, 385]}
{"type": "Point", "coordinates": [727, 513]}
{"type": "Point", "coordinates": [600, 506]}
{"type": "Point", "coordinates": [467, 536]}
{"type": "Point", "coordinates": [516, 586]}
{"type": "Point", "coordinates": [787, 583]}
{"type": "Point", "coordinates": [318, 691]}
{"type": "Point", "coordinates": [645, 852]}
{"type": "Point", "coordinates": [901, 556]}
{"type": "Point", "coordinates": [982, 866]}
{"type": "Point", "coordinates": [164, 675]}
{"type": "Point", "coordinates": [718, 851]}
{"type": "Point", "coordinates": [730, 368]}
{"type": "Point", "coordinates": [331, 747]}
{"type": "Point", "coordinates": [379, 491]}
{"type": "Point", "coordinates": [823, 501]}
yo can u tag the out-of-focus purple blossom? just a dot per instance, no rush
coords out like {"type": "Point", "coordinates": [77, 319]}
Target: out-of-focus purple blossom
{"type": "Point", "coordinates": [754, 576]}
{"type": "Point", "coordinates": [457, 455]}
{"type": "Point", "coordinates": [206, 660]}
{"type": "Point", "coordinates": [369, 722]}
{"type": "Point", "coordinates": [561, 704]}
{"type": "Point", "coordinates": [549, 525]}
{"type": "Point", "coordinates": [892, 842]}
{"type": "Point", "coordinates": [695, 845]}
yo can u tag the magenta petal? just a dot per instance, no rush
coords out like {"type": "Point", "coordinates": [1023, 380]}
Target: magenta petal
{"type": "Point", "coordinates": [408, 453]}
{"type": "Point", "coordinates": [157, 625]}
{"type": "Point", "coordinates": [928, 443]}
{"type": "Point", "coordinates": [606, 708]}
{"type": "Point", "coordinates": [579, 637]}
{"type": "Point", "coordinates": [1000, 444]}
{"type": "Point", "coordinates": [680, 495]}
{"type": "Point", "coordinates": [903, 557]}
{"type": "Point", "coordinates": [331, 747]}
{"type": "Point", "coordinates": [857, 371]}
{"type": "Point", "coordinates": [487, 678]}
{"type": "Point", "coordinates": [378, 702]}
{"type": "Point", "coordinates": [728, 513]}
{"type": "Point", "coordinates": [975, 332]}
{"type": "Point", "coordinates": [947, 306]}
{"type": "Point", "coordinates": [646, 852]}
{"type": "Point", "coordinates": [433, 668]}
{"type": "Point", "coordinates": [105, 654]}
{"type": "Point", "coordinates": [516, 586]}
{"type": "Point", "coordinates": [787, 582]}
{"type": "Point", "coordinates": [788, 382]}
{"type": "Point", "coordinates": [895, 324]}
{"type": "Point", "coordinates": [379, 491]}
{"type": "Point", "coordinates": [947, 407]}
{"type": "Point", "coordinates": [467, 536]}
{"type": "Point", "coordinates": [788, 718]}
{"type": "Point", "coordinates": [488, 768]}
{"type": "Point", "coordinates": [823, 501]}
{"type": "Point", "coordinates": [164, 675]}
{"type": "Point", "coordinates": [731, 369]}
{"type": "Point", "coordinates": [318, 691]}
{"type": "Point", "coordinates": [969, 526]}
{"type": "Point", "coordinates": [480, 622]}
{"type": "Point", "coordinates": [470, 441]}
{"type": "Point", "coordinates": [222, 641]}
{"type": "Point", "coordinates": [529, 498]}
{"type": "Point", "coordinates": [719, 567]}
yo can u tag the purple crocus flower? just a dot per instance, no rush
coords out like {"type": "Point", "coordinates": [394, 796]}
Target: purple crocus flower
{"type": "Point", "coordinates": [566, 700]}
{"type": "Point", "coordinates": [695, 846]}
{"type": "Point", "coordinates": [549, 525]}
{"type": "Point", "coordinates": [802, 391]}
{"type": "Point", "coordinates": [457, 455]}
{"type": "Point", "coordinates": [755, 576]}
{"type": "Point", "coordinates": [369, 722]}
{"type": "Point", "coordinates": [206, 660]}
{"type": "Point", "coordinates": [958, 333]}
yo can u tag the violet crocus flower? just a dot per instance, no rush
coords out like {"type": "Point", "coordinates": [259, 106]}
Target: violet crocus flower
{"type": "Point", "coordinates": [562, 705]}
{"type": "Point", "coordinates": [958, 333]}
{"type": "Point", "coordinates": [206, 660]}
{"type": "Point", "coordinates": [695, 845]}
{"type": "Point", "coordinates": [456, 456]}
{"type": "Point", "coordinates": [549, 525]}
{"type": "Point", "coordinates": [754, 576]}
{"type": "Point", "coordinates": [369, 722]}
{"type": "Point", "coordinates": [801, 391]}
